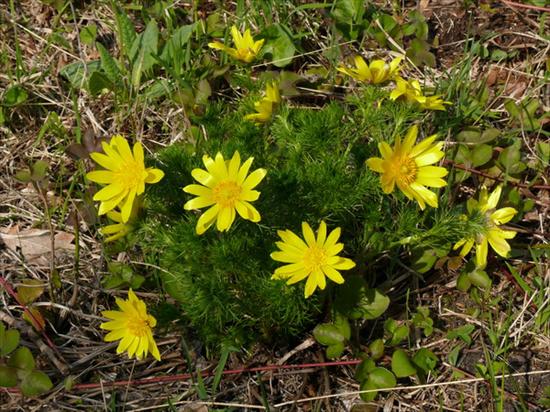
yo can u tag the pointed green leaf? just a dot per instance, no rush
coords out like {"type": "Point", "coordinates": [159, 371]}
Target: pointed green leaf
{"type": "Point", "coordinates": [39, 170]}
{"type": "Point", "coordinates": [126, 32]}
{"type": "Point", "coordinates": [23, 176]}
{"type": "Point", "coordinates": [343, 326]}
{"type": "Point", "coordinates": [109, 65]}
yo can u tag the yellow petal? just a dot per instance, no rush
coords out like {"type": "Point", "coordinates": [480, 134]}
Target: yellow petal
{"type": "Point", "coordinates": [203, 177]}
{"type": "Point", "coordinates": [207, 219]}
{"type": "Point", "coordinates": [126, 209]}
{"type": "Point", "coordinates": [138, 153]}
{"type": "Point", "coordinates": [492, 201]}
{"type": "Point", "coordinates": [234, 165]}
{"type": "Point", "coordinates": [108, 192]}
{"type": "Point", "coordinates": [101, 176]}
{"type": "Point", "coordinates": [224, 220]}
{"type": "Point", "coordinates": [430, 156]}
{"type": "Point", "coordinates": [481, 253]}
{"type": "Point", "coordinates": [285, 257]}
{"type": "Point", "coordinates": [498, 243]}
{"type": "Point", "coordinates": [311, 285]}
{"type": "Point", "coordinates": [198, 203]}
{"type": "Point", "coordinates": [333, 274]}
{"type": "Point", "coordinates": [298, 276]}
{"type": "Point", "coordinates": [322, 234]}
{"type": "Point", "coordinates": [375, 164]}
{"type": "Point", "coordinates": [153, 175]}
{"type": "Point", "coordinates": [198, 190]}
{"type": "Point", "coordinates": [503, 215]}
{"type": "Point", "coordinates": [309, 236]}
{"type": "Point", "coordinates": [254, 179]}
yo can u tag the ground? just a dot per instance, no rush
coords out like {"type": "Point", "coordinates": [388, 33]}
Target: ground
{"type": "Point", "coordinates": [48, 231]}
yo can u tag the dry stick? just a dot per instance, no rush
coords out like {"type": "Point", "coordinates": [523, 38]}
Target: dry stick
{"type": "Point", "coordinates": [498, 179]}
{"type": "Point", "coordinates": [525, 6]}
{"type": "Point", "coordinates": [28, 330]}
{"type": "Point", "coordinates": [61, 365]}
{"type": "Point", "coordinates": [432, 385]}
{"type": "Point", "coordinates": [185, 376]}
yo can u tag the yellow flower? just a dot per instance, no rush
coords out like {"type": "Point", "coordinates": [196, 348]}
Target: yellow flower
{"type": "Point", "coordinates": [408, 166]}
{"type": "Point", "coordinates": [264, 107]}
{"type": "Point", "coordinates": [246, 49]}
{"type": "Point", "coordinates": [125, 174]}
{"type": "Point", "coordinates": [315, 258]}
{"type": "Point", "coordinates": [117, 230]}
{"type": "Point", "coordinates": [492, 235]}
{"type": "Point", "coordinates": [376, 72]}
{"type": "Point", "coordinates": [412, 93]}
{"type": "Point", "coordinates": [227, 188]}
{"type": "Point", "coordinates": [133, 326]}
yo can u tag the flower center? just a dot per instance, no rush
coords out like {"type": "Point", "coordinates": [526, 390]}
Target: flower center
{"type": "Point", "coordinates": [130, 174]}
{"type": "Point", "coordinates": [314, 258]}
{"type": "Point", "coordinates": [404, 170]}
{"type": "Point", "coordinates": [138, 326]}
{"type": "Point", "coordinates": [226, 193]}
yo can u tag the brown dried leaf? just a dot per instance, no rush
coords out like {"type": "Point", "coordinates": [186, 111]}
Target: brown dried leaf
{"type": "Point", "coordinates": [30, 290]}
{"type": "Point", "coordinates": [35, 243]}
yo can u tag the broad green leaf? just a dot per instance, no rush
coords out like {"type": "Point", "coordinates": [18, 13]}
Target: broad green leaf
{"type": "Point", "coordinates": [425, 359]}
{"type": "Point", "coordinates": [8, 377]}
{"type": "Point", "coordinates": [335, 351]}
{"type": "Point", "coordinates": [480, 279]}
{"type": "Point", "coordinates": [36, 383]}
{"type": "Point", "coordinates": [9, 340]}
{"type": "Point", "coordinates": [174, 47]}
{"type": "Point", "coordinates": [23, 176]}
{"type": "Point", "coordinates": [30, 290]}
{"type": "Point", "coordinates": [109, 65]}
{"type": "Point", "coordinates": [15, 96]}
{"type": "Point", "coordinates": [401, 364]}
{"type": "Point", "coordinates": [376, 348]}
{"type": "Point", "coordinates": [382, 378]}
{"type": "Point", "coordinates": [372, 305]}
{"type": "Point", "coordinates": [364, 368]}
{"type": "Point", "coordinates": [328, 334]}
{"type": "Point", "coordinates": [76, 72]}
{"type": "Point", "coordinates": [22, 359]}
{"type": "Point", "coordinates": [489, 135]}
{"type": "Point", "coordinates": [343, 326]}
{"type": "Point", "coordinates": [481, 154]}
{"type": "Point", "coordinates": [88, 34]}
{"type": "Point", "coordinates": [98, 82]}
{"type": "Point", "coordinates": [280, 44]}
{"type": "Point", "coordinates": [348, 16]}
{"type": "Point", "coordinates": [462, 332]}
{"type": "Point", "coordinates": [39, 170]}
{"type": "Point", "coordinates": [463, 282]}
{"type": "Point", "coordinates": [368, 385]}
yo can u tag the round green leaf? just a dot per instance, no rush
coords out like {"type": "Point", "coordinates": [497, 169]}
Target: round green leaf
{"type": "Point", "coordinates": [368, 385]}
{"type": "Point", "coordinates": [36, 383]}
{"type": "Point", "coordinates": [481, 154]}
{"type": "Point", "coordinates": [9, 341]}
{"type": "Point", "coordinates": [480, 279]}
{"type": "Point", "coordinates": [364, 368]}
{"type": "Point", "coordinates": [335, 351]}
{"type": "Point", "coordinates": [8, 377]}
{"type": "Point", "coordinates": [376, 348]}
{"type": "Point", "coordinates": [327, 334]}
{"type": "Point", "coordinates": [382, 378]}
{"type": "Point", "coordinates": [463, 282]}
{"type": "Point", "coordinates": [373, 304]}
{"type": "Point", "coordinates": [425, 359]}
{"type": "Point", "coordinates": [401, 364]}
{"type": "Point", "coordinates": [22, 359]}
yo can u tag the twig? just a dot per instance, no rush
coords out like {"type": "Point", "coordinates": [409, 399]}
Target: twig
{"type": "Point", "coordinates": [28, 330]}
{"type": "Point", "coordinates": [186, 376]}
{"type": "Point", "coordinates": [60, 365]}
{"type": "Point", "coordinates": [498, 179]}
{"type": "Point", "coordinates": [525, 6]}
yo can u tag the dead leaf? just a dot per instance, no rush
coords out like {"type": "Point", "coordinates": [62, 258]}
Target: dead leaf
{"type": "Point", "coordinates": [37, 320]}
{"type": "Point", "coordinates": [35, 244]}
{"type": "Point", "coordinates": [30, 290]}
